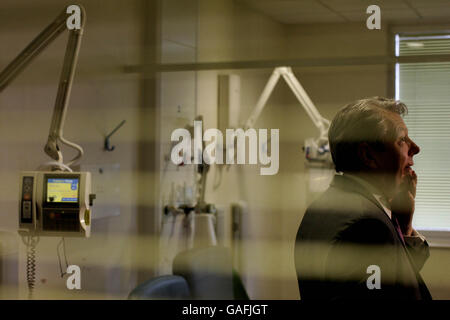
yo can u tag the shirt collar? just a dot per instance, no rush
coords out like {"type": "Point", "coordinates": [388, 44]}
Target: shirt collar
{"type": "Point", "coordinates": [374, 191]}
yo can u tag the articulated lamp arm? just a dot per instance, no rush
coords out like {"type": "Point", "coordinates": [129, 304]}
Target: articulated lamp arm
{"type": "Point", "coordinates": [320, 122]}
{"type": "Point", "coordinates": [268, 89]}
{"type": "Point", "coordinates": [286, 72]}
{"type": "Point", "coordinates": [50, 33]}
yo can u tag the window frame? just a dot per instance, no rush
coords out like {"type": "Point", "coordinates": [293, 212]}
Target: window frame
{"type": "Point", "coordinates": [435, 238]}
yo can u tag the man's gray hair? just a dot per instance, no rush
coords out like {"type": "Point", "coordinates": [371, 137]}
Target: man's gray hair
{"type": "Point", "coordinates": [361, 121]}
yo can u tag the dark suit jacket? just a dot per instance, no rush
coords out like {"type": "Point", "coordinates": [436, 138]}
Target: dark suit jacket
{"type": "Point", "coordinates": [343, 233]}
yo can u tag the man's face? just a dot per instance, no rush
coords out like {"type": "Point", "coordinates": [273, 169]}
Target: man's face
{"type": "Point", "coordinates": [396, 160]}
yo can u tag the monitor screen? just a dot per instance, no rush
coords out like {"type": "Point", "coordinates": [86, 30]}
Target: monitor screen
{"type": "Point", "coordinates": [62, 190]}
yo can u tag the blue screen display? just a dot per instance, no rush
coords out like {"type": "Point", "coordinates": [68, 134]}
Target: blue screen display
{"type": "Point", "coordinates": [61, 190]}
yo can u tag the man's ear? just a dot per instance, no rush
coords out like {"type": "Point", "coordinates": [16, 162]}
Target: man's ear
{"type": "Point", "coordinates": [367, 156]}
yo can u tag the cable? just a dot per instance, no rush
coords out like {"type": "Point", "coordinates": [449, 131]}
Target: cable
{"type": "Point", "coordinates": [74, 146]}
{"type": "Point", "coordinates": [31, 242]}
{"type": "Point", "coordinates": [54, 164]}
{"type": "Point", "coordinates": [63, 243]}
{"type": "Point", "coordinates": [217, 183]}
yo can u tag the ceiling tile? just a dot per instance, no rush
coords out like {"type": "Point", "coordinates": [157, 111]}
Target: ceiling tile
{"type": "Point", "coordinates": [288, 6]}
{"type": "Point", "coordinates": [430, 13]}
{"type": "Point", "coordinates": [328, 11]}
{"type": "Point", "coordinates": [396, 15]}
{"type": "Point", "coordinates": [429, 3]}
{"type": "Point", "coordinates": [361, 5]}
{"type": "Point", "coordinates": [312, 18]}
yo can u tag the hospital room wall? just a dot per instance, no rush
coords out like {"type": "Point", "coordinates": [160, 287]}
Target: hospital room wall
{"type": "Point", "coordinates": [230, 32]}
{"type": "Point", "coordinates": [223, 31]}
{"type": "Point", "coordinates": [102, 96]}
{"type": "Point", "coordinates": [176, 109]}
{"type": "Point", "coordinates": [277, 203]}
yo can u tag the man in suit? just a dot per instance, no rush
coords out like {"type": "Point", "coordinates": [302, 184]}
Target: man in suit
{"type": "Point", "coordinates": [356, 241]}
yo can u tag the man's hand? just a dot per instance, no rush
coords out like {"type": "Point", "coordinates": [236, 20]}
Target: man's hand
{"type": "Point", "coordinates": [403, 203]}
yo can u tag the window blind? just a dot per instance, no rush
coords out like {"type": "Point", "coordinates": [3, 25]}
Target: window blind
{"type": "Point", "coordinates": [423, 45]}
{"type": "Point", "coordinates": [425, 89]}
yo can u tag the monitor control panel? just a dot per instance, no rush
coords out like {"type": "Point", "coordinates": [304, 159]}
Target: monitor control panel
{"type": "Point", "coordinates": [55, 203]}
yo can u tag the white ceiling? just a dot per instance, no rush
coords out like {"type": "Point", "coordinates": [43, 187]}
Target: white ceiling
{"type": "Point", "coordinates": [328, 11]}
